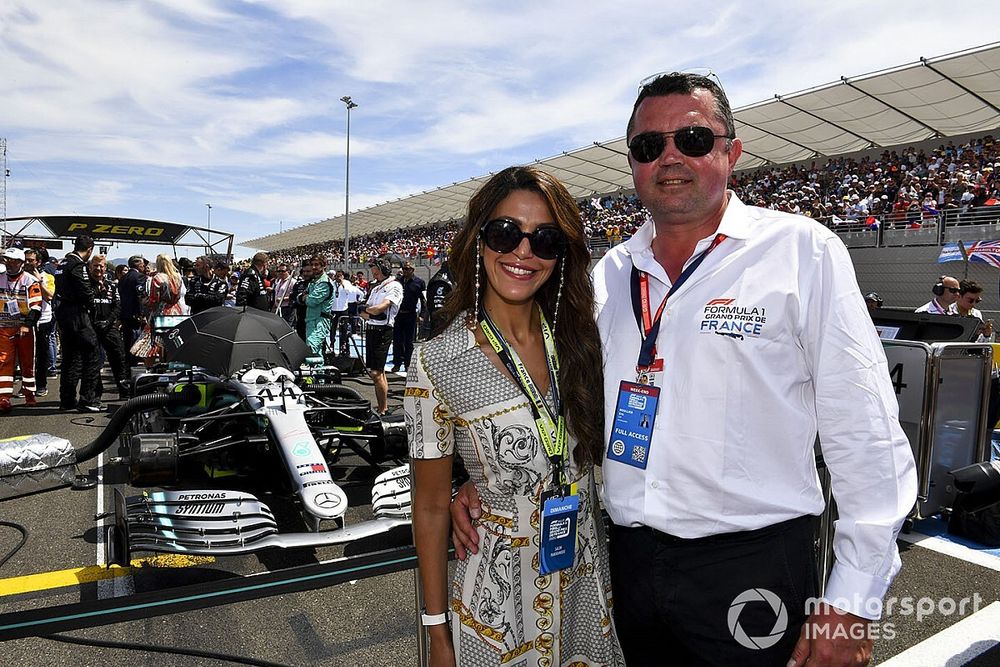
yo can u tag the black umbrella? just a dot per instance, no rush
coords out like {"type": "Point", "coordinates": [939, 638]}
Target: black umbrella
{"type": "Point", "coordinates": [223, 339]}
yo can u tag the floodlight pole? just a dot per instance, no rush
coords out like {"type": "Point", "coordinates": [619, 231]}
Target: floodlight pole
{"type": "Point", "coordinates": [6, 175]}
{"type": "Point", "coordinates": [346, 99]}
{"type": "Point", "coordinates": [210, 249]}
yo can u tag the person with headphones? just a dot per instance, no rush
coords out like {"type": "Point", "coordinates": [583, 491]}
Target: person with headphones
{"type": "Point", "coordinates": [946, 292]}
{"type": "Point", "coordinates": [380, 312]}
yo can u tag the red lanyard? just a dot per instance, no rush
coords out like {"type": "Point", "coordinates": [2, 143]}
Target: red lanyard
{"type": "Point", "coordinates": [649, 326]}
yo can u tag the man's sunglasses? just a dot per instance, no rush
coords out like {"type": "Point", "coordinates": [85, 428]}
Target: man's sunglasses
{"type": "Point", "coordinates": [953, 290]}
{"type": "Point", "coordinates": [503, 235]}
{"type": "Point", "coordinates": [694, 141]}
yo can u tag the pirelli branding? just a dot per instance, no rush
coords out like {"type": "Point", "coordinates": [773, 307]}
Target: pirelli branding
{"type": "Point", "coordinates": [125, 229]}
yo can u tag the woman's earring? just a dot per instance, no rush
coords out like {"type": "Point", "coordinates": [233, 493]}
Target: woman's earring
{"type": "Point", "coordinates": [475, 312]}
{"type": "Point", "coordinates": [562, 271]}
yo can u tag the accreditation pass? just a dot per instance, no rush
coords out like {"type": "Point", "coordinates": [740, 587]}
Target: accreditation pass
{"type": "Point", "coordinates": [632, 428]}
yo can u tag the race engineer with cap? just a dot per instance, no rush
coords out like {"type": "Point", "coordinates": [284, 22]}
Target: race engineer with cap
{"type": "Point", "coordinates": [20, 309]}
{"type": "Point", "coordinates": [753, 338]}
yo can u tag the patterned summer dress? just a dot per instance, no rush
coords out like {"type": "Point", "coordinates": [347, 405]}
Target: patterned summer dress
{"type": "Point", "coordinates": [505, 613]}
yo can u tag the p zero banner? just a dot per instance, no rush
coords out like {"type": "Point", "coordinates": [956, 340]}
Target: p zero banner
{"type": "Point", "coordinates": [114, 229]}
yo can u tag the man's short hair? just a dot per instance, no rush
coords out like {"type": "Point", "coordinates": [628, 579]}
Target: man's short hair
{"type": "Point", "coordinates": [207, 261]}
{"type": "Point", "coordinates": [681, 83]}
{"type": "Point", "coordinates": [30, 251]}
{"type": "Point", "coordinates": [136, 261]}
{"type": "Point", "coordinates": [966, 286]}
{"type": "Point", "coordinates": [260, 258]}
{"type": "Point", "coordinates": [83, 242]}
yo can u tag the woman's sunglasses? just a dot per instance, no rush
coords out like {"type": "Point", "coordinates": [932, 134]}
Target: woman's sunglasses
{"type": "Point", "coordinates": [503, 235]}
{"type": "Point", "coordinates": [694, 141]}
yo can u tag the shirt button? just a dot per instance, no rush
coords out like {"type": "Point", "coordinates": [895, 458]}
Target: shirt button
{"type": "Point", "coordinates": [654, 484]}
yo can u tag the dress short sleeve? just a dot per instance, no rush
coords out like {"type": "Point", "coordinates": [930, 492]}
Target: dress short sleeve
{"type": "Point", "coordinates": [429, 426]}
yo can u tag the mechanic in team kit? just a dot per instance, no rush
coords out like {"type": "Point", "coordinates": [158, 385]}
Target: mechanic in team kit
{"type": "Point", "coordinates": [205, 289]}
{"type": "Point", "coordinates": [252, 289]}
{"type": "Point", "coordinates": [107, 310]}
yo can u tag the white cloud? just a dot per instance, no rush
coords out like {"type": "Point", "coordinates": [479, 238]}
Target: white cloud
{"type": "Point", "coordinates": [155, 108]}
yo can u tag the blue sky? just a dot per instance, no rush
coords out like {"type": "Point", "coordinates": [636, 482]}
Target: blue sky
{"type": "Point", "coordinates": [151, 109]}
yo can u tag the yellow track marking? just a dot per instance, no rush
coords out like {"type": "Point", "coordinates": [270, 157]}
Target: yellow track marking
{"type": "Point", "coordinates": [84, 575]}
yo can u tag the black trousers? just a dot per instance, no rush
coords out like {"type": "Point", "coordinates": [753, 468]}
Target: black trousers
{"type": "Point", "coordinates": [110, 340]}
{"type": "Point", "coordinates": [712, 601]}
{"type": "Point", "coordinates": [404, 332]}
{"type": "Point", "coordinates": [81, 363]}
{"type": "Point", "coordinates": [339, 324]}
{"type": "Point", "coordinates": [42, 361]}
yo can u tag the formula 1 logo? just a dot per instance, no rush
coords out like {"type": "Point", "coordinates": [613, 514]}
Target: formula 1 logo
{"type": "Point", "coordinates": [724, 317]}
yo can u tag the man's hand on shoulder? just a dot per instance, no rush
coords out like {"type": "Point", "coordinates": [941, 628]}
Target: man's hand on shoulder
{"type": "Point", "coordinates": [832, 638]}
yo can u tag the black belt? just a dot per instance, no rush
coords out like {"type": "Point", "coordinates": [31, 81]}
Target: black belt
{"type": "Point", "coordinates": [721, 538]}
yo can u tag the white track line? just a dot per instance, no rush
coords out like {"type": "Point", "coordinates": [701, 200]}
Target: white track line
{"type": "Point", "coordinates": [952, 549]}
{"type": "Point", "coordinates": [116, 586]}
{"type": "Point", "coordinates": [955, 645]}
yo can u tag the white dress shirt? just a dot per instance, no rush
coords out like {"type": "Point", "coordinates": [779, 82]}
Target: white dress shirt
{"type": "Point", "coordinates": [341, 296]}
{"type": "Point", "coordinates": [935, 308]}
{"type": "Point", "coordinates": [390, 289]}
{"type": "Point", "coordinates": [733, 441]}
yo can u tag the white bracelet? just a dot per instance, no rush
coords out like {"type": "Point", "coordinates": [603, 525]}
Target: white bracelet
{"type": "Point", "coordinates": [435, 619]}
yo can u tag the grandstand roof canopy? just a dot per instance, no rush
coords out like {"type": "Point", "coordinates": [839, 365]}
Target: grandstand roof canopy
{"type": "Point", "coordinates": [947, 96]}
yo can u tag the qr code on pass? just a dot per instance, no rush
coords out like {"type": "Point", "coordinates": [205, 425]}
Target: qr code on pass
{"type": "Point", "coordinates": [637, 401]}
{"type": "Point", "coordinates": [638, 453]}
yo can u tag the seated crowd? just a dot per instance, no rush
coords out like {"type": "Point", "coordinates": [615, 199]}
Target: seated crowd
{"type": "Point", "coordinates": [900, 188]}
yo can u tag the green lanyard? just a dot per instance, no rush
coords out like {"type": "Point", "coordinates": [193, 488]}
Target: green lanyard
{"type": "Point", "coordinates": [551, 426]}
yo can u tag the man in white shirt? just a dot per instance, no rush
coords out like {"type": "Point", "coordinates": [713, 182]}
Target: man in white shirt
{"type": "Point", "coordinates": [763, 344]}
{"type": "Point", "coordinates": [380, 310]}
{"type": "Point", "coordinates": [946, 292]}
{"type": "Point", "coordinates": [342, 294]}
{"type": "Point", "coordinates": [282, 285]}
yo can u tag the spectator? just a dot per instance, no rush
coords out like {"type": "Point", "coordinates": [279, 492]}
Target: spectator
{"type": "Point", "coordinates": [945, 292]}
{"type": "Point", "coordinates": [297, 298]}
{"type": "Point", "coordinates": [205, 290]}
{"type": "Point", "coordinates": [131, 290]}
{"type": "Point", "coordinates": [338, 312]}
{"type": "Point", "coordinates": [81, 363]}
{"type": "Point", "coordinates": [22, 308]}
{"type": "Point", "coordinates": [283, 291]}
{"type": "Point", "coordinates": [970, 295]}
{"type": "Point", "coordinates": [165, 289]}
{"type": "Point", "coordinates": [44, 328]}
{"type": "Point", "coordinates": [252, 289]}
{"type": "Point", "coordinates": [404, 331]}
{"type": "Point", "coordinates": [317, 298]}
{"type": "Point", "coordinates": [380, 313]}
{"type": "Point", "coordinates": [107, 311]}
{"type": "Point", "coordinates": [873, 301]}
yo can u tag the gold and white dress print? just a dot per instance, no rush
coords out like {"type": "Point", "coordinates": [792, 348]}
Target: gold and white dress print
{"type": "Point", "coordinates": [505, 613]}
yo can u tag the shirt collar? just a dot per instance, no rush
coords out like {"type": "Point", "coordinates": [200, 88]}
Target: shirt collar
{"type": "Point", "coordinates": [734, 224]}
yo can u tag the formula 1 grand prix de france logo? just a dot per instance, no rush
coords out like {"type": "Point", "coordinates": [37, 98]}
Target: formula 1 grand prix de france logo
{"type": "Point", "coordinates": [757, 595]}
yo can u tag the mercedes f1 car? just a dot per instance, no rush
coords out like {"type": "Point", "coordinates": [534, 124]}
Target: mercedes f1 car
{"type": "Point", "coordinates": [205, 442]}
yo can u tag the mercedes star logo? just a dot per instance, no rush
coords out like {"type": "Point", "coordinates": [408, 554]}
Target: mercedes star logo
{"type": "Point", "coordinates": [326, 500]}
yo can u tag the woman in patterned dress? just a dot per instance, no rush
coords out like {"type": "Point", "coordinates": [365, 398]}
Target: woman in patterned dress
{"type": "Point", "coordinates": [520, 271]}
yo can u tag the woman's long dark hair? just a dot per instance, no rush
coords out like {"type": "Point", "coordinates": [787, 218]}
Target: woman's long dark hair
{"type": "Point", "coordinates": [581, 381]}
